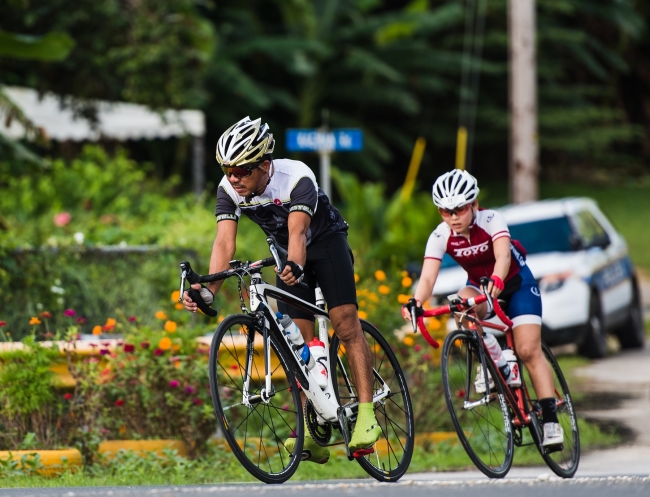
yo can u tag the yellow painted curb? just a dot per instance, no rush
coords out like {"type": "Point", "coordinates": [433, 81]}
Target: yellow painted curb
{"type": "Point", "coordinates": [54, 461]}
{"type": "Point", "coordinates": [109, 448]}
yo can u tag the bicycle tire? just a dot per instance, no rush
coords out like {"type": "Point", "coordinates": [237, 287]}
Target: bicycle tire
{"type": "Point", "coordinates": [486, 430]}
{"type": "Point", "coordinates": [563, 463]}
{"type": "Point", "coordinates": [257, 433]}
{"type": "Point", "coordinates": [394, 449]}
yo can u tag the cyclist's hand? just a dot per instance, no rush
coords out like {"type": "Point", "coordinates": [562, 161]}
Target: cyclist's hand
{"type": "Point", "coordinates": [206, 295]}
{"type": "Point", "coordinates": [495, 286]}
{"type": "Point", "coordinates": [292, 274]}
{"type": "Point", "coordinates": [406, 313]}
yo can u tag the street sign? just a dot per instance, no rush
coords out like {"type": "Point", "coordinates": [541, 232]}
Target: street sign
{"type": "Point", "coordinates": [315, 140]}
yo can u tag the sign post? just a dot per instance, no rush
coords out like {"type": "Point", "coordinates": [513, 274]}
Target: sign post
{"type": "Point", "coordinates": [324, 142]}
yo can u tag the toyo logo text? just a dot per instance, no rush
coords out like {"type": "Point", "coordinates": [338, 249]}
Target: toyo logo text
{"type": "Point", "coordinates": [467, 251]}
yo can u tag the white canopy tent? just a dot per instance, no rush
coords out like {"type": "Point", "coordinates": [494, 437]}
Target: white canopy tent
{"type": "Point", "coordinates": [115, 120]}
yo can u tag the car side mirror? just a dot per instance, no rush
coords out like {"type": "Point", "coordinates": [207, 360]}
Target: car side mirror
{"type": "Point", "coordinates": [601, 241]}
{"type": "Point", "coordinates": [575, 242]}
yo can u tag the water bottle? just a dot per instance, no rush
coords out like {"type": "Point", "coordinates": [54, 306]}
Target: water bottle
{"type": "Point", "coordinates": [494, 349]}
{"type": "Point", "coordinates": [299, 346]}
{"type": "Point", "coordinates": [317, 350]}
{"type": "Point", "coordinates": [514, 380]}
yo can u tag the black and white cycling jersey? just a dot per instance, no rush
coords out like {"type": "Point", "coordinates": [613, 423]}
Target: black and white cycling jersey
{"type": "Point", "coordinates": [292, 187]}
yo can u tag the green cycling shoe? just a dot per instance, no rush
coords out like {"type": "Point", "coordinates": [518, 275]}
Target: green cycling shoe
{"type": "Point", "coordinates": [311, 451]}
{"type": "Point", "coordinates": [366, 431]}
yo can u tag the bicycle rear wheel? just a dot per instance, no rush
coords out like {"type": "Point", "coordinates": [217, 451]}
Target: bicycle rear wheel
{"type": "Point", "coordinates": [564, 462]}
{"type": "Point", "coordinates": [394, 449]}
{"type": "Point", "coordinates": [256, 433]}
{"type": "Point", "coordinates": [484, 429]}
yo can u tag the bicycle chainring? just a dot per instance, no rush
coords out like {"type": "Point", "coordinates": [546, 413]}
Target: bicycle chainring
{"type": "Point", "coordinates": [320, 433]}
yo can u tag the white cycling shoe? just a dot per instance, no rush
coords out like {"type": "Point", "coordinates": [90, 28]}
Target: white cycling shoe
{"type": "Point", "coordinates": [553, 434]}
{"type": "Point", "coordinates": [479, 383]}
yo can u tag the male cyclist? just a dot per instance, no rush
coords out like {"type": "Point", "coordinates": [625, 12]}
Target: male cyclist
{"type": "Point", "coordinates": [283, 198]}
{"type": "Point", "coordinates": [479, 241]}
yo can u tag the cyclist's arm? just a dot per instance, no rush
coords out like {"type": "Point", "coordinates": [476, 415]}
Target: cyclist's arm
{"type": "Point", "coordinates": [223, 250]}
{"type": "Point", "coordinates": [430, 270]}
{"type": "Point", "coordinates": [298, 225]}
{"type": "Point", "coordinates": [502, 260]}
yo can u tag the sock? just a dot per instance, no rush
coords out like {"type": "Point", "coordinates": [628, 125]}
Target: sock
{"type": "Point", "coordinates": [549, 412]}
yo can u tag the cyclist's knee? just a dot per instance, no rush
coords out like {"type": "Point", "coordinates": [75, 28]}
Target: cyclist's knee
{"type": "Point", "coordinates": [345, 321]}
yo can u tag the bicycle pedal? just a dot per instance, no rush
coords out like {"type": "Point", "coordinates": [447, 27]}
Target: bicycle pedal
{"type": "Point", "coordinates": [553, 448]}
{"type": "Point", "coordinates": [362, 452]}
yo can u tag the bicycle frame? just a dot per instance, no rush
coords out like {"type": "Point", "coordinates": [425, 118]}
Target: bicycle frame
{"type": "Point", "coordinates": [323, 401]}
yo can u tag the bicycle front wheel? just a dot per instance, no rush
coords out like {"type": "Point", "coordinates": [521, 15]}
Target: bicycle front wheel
{"type": "Point", "coordinates": [484, 429]}
{"type": "Point", "coordinates": [564, 462]}
{"type": "Point", "coordinates": [255, 423]}
{"type": "Point", "coordinates": [394, 449]}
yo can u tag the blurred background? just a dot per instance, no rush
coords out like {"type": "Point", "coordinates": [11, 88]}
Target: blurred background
{"type": "Point", "coordinates": [95, 218]}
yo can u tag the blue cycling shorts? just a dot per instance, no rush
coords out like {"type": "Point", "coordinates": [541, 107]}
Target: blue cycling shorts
{"type": "Point", "coordinates": [523, 302]}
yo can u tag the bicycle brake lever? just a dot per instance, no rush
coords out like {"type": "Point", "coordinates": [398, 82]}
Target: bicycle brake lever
{"type": "Point", "coordinates": [414, 320]}
{"type": "Point", "coordinates": [182, 290]}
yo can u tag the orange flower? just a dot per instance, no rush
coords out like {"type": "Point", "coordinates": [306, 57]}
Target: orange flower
{"type": "Point", "coordinates": [220, 318]}
{"type": "Point", "coordinates": [362, 303]}
{"type": "Point", "coordinates": [403, 299]}
{"type": "Point", "coordinates": [178, 306]}
{"type": "Point", "coordinates": [434, 324]}
{"type": "Point", "coordinates": [384, 290]}
{"type": "Point", "coordinates": [372, 296]}
{"type": "Point", "coordinates": [161, 315]}
{"type": "Point", "coordinates": [34, 321]}
{"type": "Point", "coordinates": [110, 324]}
{"type": "Point", "coordinates": [170, 326]}
{"type": "Point", "coordinates": [356, 278]}
{"type": "Point", "coordinates": [407, 282]}
{"type": "Point", "coordinates": [97, 330]}
{"type": "Point", "coordinates": [380, 275]}
{"type": "Point", "coordinates": [165, 343]}
{"type": "Point", "coordinates": [363, 315]}
{"type": "Point", "coordinates": [176, 294]}
{"type": "Point", "coordinates": [408, 341]}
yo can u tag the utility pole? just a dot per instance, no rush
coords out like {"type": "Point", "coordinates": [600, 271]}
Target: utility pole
{"type": "Point", "coordinates": [524, 151]}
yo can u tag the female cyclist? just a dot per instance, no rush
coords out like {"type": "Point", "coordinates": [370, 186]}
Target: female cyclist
{"type": "Point", "coordinates": [479, 241]}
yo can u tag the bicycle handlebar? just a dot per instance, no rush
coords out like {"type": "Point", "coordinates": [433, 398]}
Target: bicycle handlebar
{"type": "Point", "coordinates": [279, 259]}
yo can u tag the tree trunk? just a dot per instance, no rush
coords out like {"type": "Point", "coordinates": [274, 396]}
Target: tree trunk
{"type": "Point", "coordinates": [524, 154]}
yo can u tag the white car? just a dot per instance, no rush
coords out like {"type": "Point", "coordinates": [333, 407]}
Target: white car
{"type": "Point", "coordinates": [585, 276]}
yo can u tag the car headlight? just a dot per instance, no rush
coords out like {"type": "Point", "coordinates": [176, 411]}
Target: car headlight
{"type": "Point", "coordinates": [552, 282]}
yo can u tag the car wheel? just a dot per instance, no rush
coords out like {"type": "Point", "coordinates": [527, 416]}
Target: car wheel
{"type": "Point", "coordinates": [594, 343]}
{"type": "Point", "coordinates": [632, 334]}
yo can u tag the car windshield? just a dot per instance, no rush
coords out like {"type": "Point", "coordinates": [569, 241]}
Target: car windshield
{"type": "Point", "coordinates": [546, 235]}
{"type": "Point", "coordinates": [537, 237]}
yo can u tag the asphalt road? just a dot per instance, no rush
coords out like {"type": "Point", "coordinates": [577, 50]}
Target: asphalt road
{"type": "Point", "coordinates": [530, 487]}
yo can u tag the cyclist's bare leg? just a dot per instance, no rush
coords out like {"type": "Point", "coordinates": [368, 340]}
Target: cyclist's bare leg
{"type": "Point", "coordinates": [345, 322]}
{"type": "Point", "coordinates": [528, 341]}
{"type": "Point", "coordinates": [469, 292]}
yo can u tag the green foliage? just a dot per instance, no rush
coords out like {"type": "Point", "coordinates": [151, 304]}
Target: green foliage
{"type": "Point", "coordinates": [52, 46]}
{"type": "Point", "coordinates": [27, 466]}
{"type": "Point", "coordinates": [28, 403]}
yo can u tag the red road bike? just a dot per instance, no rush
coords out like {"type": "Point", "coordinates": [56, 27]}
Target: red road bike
{"type": "Point", "coordinates": [490, 424]}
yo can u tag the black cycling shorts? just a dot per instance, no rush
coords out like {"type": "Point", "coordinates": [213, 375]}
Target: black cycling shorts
{"type": "Point", "coordinates": [330, 262]}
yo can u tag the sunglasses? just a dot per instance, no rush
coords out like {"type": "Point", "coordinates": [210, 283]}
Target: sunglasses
{"type": "Point", "coordinates": [459, 211]}
{"type": "Point", "coordinates": [239, 171]}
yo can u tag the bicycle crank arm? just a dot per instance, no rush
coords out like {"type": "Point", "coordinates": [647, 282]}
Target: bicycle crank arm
{"type": "Point", "coordinates": [471, 405]}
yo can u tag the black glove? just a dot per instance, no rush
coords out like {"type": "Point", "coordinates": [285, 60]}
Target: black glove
{"type": "Point", "coordinates": [296, 270]}
{"type": "Point", "coordinates": [412, 306]}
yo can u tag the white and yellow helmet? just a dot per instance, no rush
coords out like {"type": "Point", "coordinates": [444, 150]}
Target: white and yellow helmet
{"type": "Point", "coordinates": [455, 189]}
{"type": "Point", "coordinates": [245, 142]}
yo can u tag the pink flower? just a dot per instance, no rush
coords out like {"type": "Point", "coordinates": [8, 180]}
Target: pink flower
{"type": "Point", "coordinates": [81, 320]}
{"type": "Point", "coordinates": [132, 319]}
{"type": "Point", "coordinates": [93, 345]}
{"type": "Point", "coordinates": [197, 402]}
{"type": "Point", "coordinates": [104, 352]}
{"type": "Point", "coordinates": [3, 323]}
{"type": "Point", "coordinates": [68, 396]}
{"type": "Point", "coordinates": [46, 314]}
{"type": "Point", "coordinates": [426, 357]}
{"type": "Point", "coordinates": [173, 383]}
{"type": "Point", "coordinates": [158, 352]}
{"type": "Point", "coordinates": [189, 389]}
{"type": "Point", "coordinates": [417, 347]}
{"type": "Point", "coordinates": [144, 345]}
{"type": "Point", "coordinates": [119, 402]}
{"type": "Point", "coordinates": [129, 348]}
{"type": "Point", "coordinates": [62, 218]}
{"type": "Point", "coordinates": [69, 312]}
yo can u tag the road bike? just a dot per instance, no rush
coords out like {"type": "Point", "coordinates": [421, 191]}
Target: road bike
{"type": "Point", "coordinates": [490, 424]}
{"type": "Point", "coordinates": [256, 377]}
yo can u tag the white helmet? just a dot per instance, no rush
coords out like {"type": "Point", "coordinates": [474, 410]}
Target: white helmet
{"type": "Point", "coordinates": [244, 143]}
{"type": "Point", "coordinates": [454, 189]}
